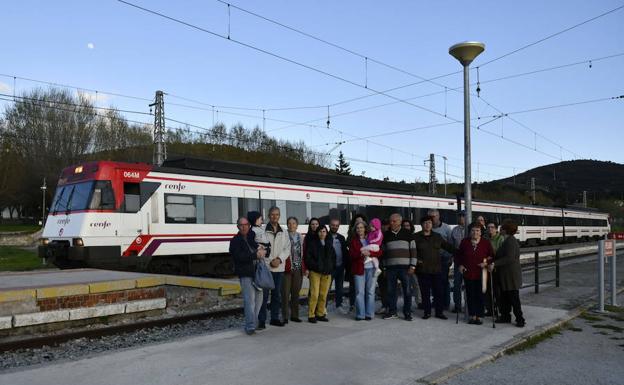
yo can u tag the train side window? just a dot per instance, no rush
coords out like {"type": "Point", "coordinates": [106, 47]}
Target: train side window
{"type": "Point", "coordinates": [246, 205]}
{"type": "Point", "coordinates": [532, 220]}
{"type": "Point", "coordinates": [297, 210]}
{"type": "Point", "coordinates": [321, 211]}
{"type": "Point", "coordinates": [448, 216]}
{"type": "Point", "coordinates": [570, 221]}
{"type": "Point", "coordinates": [217, 210]}
{"type": "Point", "coordinates": [132, 197]}
{"type": "Point", "coordinates": [180, 209]}
{"type": "Point", "coordinates": [554, 221]}
{"type": "Point", "coordinates": [103, 197]}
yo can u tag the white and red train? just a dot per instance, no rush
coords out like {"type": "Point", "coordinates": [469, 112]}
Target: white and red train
{"type": "Point", "coordinates": [179, 218]}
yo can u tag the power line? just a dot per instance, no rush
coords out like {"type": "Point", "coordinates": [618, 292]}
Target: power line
{"type": "Point", "coordinates": [76, 105]}
{"type": "Point", "coordinates": [277, 56]}
{"type": "Point", "coordinates": [551, 36]}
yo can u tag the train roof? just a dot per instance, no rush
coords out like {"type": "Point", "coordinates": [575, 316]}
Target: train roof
{"type": "Point", "coordinates": [247, 171]}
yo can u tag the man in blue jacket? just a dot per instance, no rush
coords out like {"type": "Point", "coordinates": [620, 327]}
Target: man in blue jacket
{"type": "Point", "coordinates": [245, 252]}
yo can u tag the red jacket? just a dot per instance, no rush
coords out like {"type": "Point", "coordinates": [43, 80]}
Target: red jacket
{"type": "Point", "coordinates": [470, 257]}
{"type": "Point", "coordinates": [357, 259]}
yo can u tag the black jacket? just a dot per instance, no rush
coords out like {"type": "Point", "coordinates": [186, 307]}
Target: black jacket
{"type": "Point", "coordinates": [319, 258]}
{"type": "Point", "coordinates": [244, 254]}
{"type": "Point", "coordinates": [428, 251]}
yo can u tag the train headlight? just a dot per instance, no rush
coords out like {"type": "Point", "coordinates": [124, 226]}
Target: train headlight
{"type": "Point", "coordinates": [44, 241]}
{"type": "Point", "coordinates": [78, 242]}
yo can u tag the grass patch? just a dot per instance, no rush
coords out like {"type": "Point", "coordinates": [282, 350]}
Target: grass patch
{"type": "Point", "coordinates": [574, 328]}
{"type": "Point", "coordinates": [616, 317]}
{"type": "Point", "coordinates": [614, 309]}
{"type": "Point", "coordinates": [588, 317]}
{"type": "Point", "coordinates": [18, 259]}
{"type": "Point", "coordinates": [609, 327]}
{"type": "Point", "coordinates": [531, 342]}
{"type": "Point", "coordinates": [20, 228]}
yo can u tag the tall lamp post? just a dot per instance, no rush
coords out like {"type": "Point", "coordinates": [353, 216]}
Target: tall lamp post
{"type": "Point", "coordinates": [43, 188]}
{"type": "Point", "coordinates": [465, 53]}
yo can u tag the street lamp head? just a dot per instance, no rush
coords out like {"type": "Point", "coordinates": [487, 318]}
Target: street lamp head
{"type": "Point", "coordinates": [467, 51]}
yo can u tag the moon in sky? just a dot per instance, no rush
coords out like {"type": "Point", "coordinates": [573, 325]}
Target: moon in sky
{"type": "Point", "coordinates": [90, 45]}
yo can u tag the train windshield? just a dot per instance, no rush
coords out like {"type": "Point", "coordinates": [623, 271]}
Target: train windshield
{"type": "Point", "coordinates": [82, 196]}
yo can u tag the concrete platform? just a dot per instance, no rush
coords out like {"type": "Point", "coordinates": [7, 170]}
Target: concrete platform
{"type": "Point", "coordinates": [342, 351]}
{"type": "Point", "coordinates": [24, 281]}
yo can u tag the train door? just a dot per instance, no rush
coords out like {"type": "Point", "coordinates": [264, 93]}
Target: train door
{"type": "Point", "coordinates": [250, 202]}
{"type": "Point", "coordinates": [267, 200]}
{"type": "Point", "coordinates": [130, 224]}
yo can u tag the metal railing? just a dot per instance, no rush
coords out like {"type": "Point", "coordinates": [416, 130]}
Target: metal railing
{"type": "Point", "coordinates": [537, 266]}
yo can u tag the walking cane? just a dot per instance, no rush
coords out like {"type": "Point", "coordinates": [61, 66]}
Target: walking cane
{"type": "Point", "coordinates": [493, 303]}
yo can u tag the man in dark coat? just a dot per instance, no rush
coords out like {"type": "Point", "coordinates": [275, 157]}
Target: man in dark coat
{"type": "Point", "coordinates": [245, 252]}
{"type": "Point", "coordinates": [342, 263]}
{"type": "Point", "coordinates": [509, 275]}
{"type": "Point", "coordinates": [429, 245]}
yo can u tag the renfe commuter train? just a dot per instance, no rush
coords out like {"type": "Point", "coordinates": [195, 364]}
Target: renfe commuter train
{"type": "Point", "coordinates": [179, 218]}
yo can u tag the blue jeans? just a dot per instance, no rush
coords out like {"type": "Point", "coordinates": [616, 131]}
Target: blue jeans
{"type": "Point", "coordinates": [252, 302]}
{"type": "Point", "coordinates": [338, 277]}
{"type": "Point", "coordinates": [393, 275]}
{"type": "Point", "coordinates": [457, 284]}
{"type": "Point", "coordinates": [276, 299]}
{"type": "Point", "coordinates": [365, 294]}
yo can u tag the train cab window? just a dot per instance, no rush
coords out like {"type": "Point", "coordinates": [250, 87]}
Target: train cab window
{"type": "Point", "coordinates": [297, 210]}
{"type": "Point", "coordinates": [132, 197]}
{"type": "Point", "coordinates": [180, 209]}
{"type": "Point", "coordinates": [102, 197]}
{"type": "Point", "coordinates": [217, 209]}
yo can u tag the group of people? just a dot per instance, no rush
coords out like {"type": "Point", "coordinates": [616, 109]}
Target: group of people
{"type": "Point", "coordinates": [379, 253]}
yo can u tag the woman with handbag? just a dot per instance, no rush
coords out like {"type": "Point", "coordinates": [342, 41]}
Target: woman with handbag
{"type": "Point", "coordinates": [245, 255]}
{"type": "Point", "coordinates": [320, 260]}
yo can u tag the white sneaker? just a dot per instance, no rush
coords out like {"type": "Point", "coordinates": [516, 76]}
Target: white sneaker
{"type": "Point", "coordinates": [377, 273]}
{"type": "Point", "coordinates": [343, 310]}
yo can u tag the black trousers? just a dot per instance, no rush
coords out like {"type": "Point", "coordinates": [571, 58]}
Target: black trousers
{"type": "Point", "coordinates": [474, 297]}
{"type": "Point", "coordinates": [510, 299]}
{"type": "Point", "coordinates": [429, 283]}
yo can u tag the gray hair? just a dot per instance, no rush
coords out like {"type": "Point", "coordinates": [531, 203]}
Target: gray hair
{"type": "Point", "coordinates": [433, 212]}
{"type": "Point", "coordinates": [238, 222]}
{"type": "Point", "coordinates": [397, 215]}
{"type": "Point", "coordinates": [273, 208]}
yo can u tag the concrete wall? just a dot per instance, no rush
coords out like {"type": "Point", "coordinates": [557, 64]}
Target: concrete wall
{"type": "Point", "coordinates": [20, 239]}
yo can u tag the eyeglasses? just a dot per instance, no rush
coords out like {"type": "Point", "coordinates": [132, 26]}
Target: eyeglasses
{"type": "Point", "coordinates": [244, 224]}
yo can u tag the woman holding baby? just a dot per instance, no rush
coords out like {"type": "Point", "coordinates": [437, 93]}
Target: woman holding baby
{"type": "Point", "coordinates": [364, 253]}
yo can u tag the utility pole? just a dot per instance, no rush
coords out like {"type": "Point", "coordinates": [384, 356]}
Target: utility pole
{"type": "Point", "coordinates": [533, 190]}
{"type": "Point", "coordinates": [585, 198]}
{"type": "Point", "coordinates": [160, 146]}
{"type": "Point", "coordinates": [43, 203]}
{"type": "Point", "coordinates": [432, 174]}
{"type": "Point", "coordinates": [445, 180]}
